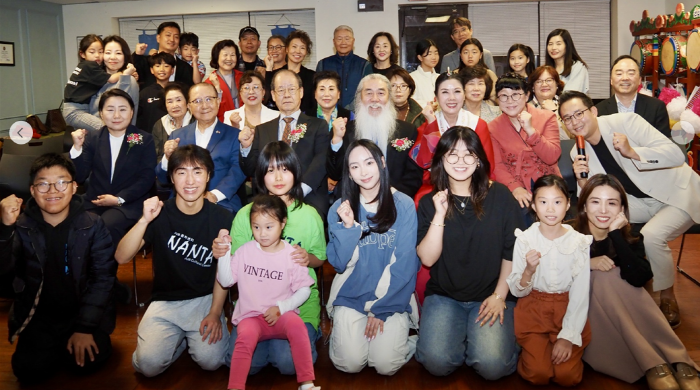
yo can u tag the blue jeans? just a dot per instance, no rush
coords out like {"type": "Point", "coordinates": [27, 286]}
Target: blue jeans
{"type": "Point", "coordinates": [276, 352]}
{"type": "Point", "coordinates": [450, 337]}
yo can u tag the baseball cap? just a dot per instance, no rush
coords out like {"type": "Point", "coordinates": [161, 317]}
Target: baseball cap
{"type": "Point", "coordinates": [248, 29]}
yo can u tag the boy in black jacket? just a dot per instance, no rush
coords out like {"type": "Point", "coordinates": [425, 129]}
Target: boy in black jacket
{"type": "Point", "coordinates": [61, 257]}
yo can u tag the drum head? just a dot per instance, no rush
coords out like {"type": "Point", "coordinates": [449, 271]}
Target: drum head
{"type": "Point", "coordinates": [636, 52]}
{"type": "Point", "coordinates": [693, 51]}
{"type": "Point", "coordinates": [668, 56]}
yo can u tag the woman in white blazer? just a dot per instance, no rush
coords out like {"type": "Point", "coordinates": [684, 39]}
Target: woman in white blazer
{"type": "Point", "coordinates": [252, 112]}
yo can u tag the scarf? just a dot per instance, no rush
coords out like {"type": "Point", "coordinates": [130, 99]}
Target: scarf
{"type": "Point", "coordinates": [169, 122]}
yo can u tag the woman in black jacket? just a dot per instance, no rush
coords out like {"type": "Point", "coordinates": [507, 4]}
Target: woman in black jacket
{"type": "Point", "coordinates": [630, 335]}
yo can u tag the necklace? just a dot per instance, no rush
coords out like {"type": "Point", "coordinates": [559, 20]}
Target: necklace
{"type": "Point", "coordinates": [462, 205]}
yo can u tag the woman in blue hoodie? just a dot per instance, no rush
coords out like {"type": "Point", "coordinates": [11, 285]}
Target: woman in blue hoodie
{"type": "Point", "coordinates": [372, 246]}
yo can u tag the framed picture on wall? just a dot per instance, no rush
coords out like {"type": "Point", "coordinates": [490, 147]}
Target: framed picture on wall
{"type": "Point", "coordinates": [7, 53]}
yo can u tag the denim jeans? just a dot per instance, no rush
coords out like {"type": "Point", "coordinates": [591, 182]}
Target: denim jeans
{"type": "Point", "coordinates": [276, 352]}
{"type": "Point", "coordinates": [450, 337]}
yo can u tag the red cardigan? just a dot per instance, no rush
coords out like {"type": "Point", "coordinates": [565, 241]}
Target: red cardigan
{"type": "Point", "coordinates": [227, 103]}
{"type": "Point", "coordinates": [521, 162]}
{"type": "Point", "coordinates": [429, 134]}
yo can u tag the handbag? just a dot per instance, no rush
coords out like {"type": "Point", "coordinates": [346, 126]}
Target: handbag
{"type": "Point", "coordinates": [37, 125]}
{"type": "Point", "coordinates": [55, 122]}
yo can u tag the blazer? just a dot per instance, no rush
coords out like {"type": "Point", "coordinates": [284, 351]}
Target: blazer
{"type": "Point", "coordinates": [311, 150]}
{"type": "Point", "coordinates": [183, 71]}
{"type": "Point", "coordinates": [266, 115]}
{"type": "Point", "coordinates": [224, 148]}
{"type": "Point", "coordinates": [661, 173]}
{"type": "Point", "coordinates": [308, 101]}
{"type": "Point", "coordinates": [650, 108]}
{"type": "Point", "coordinates": [404, 174]}
{"type": "Point", "coordinates": [133, 172]}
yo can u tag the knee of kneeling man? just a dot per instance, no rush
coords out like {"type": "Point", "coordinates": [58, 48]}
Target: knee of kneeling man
{"type": "Point", "coordinates": [149, 365]}
{"type": "Point", "coordinates": [436, 364]}
{"type": "Point", "coordinates": [349, 364]}
{"type": "Point", "coordinates": [387, 368]}
{"type": "Point", "coordinates": [209, 362]}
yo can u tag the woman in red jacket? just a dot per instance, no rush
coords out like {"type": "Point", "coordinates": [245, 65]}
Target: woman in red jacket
{"type": "Point", "coordinates": [525, 140]}
{"type": "Point", "coordinates": [449, 93]}
{"type": "Point", "coordinates": [225, 78]}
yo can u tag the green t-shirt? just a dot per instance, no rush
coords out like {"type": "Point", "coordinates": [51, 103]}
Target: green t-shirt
{"type": "Point", "coordinates": [304, 228]}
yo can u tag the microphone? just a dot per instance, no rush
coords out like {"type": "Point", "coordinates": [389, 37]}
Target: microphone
{"type": "Point", "coordinates": [581, 150]}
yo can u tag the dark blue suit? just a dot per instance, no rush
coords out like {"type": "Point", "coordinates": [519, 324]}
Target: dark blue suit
{"type": "Point", "coordinates": [132, 181]}
{"type": "Point", "coordinates": [224, 149]}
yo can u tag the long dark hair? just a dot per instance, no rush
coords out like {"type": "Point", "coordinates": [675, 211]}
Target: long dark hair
{"type": "Point", "coordinates": [581, 220]}
{"type": "Point", "coordinates": [571, 54]}
{"type": "Point", "coordinates": [280, 155]}
{"type": "Point", "coordinates": [527, 50]}
{"type": "Point", "coordinates": [386, 209]}
{"type": "Point", "coordinates": [475, 42]}
{"type": "Point", "coordinates": [480, 178]}
{"type": "Point", "coordinates": [393, 57]}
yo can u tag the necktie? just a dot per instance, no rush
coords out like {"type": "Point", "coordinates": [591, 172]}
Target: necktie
{"type": "Point", "coordinates": [287, 129]}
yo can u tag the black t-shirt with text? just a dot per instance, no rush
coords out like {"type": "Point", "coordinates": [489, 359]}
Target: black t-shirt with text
{"type": "Point", "coordinates": [86, 80]}
{"type": "Point", "coordinates": [183, 266]}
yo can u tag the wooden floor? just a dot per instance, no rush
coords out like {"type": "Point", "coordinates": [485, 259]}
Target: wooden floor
{"type": "Point", "coordinates": [185, 374]}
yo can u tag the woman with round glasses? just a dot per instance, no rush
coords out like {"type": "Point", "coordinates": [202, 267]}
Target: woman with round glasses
{"type": "Point", "coordinates": [252, 112]}
{"type": "Point", "coordinates": [525, 140]}
{"type": "Point", "coordinates": [545, 86]}
{"type": "Point", "coordinates": [276, 53]}
{"type": "Point", "coordinates": [467, 315]}
{"type": "Point", "coordinates": [402, 88]}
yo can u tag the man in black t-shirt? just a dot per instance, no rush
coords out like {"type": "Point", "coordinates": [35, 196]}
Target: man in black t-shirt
{"type": "Point", "coordinates": [249, 42]}
{"type": "Point", "coordinates": [662, 190]}
{"type": "Point", "coordinates": [184, 312]}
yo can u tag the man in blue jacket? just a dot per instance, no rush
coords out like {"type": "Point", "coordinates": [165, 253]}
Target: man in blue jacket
{"type": "Point", "coordinates": [61, 257]}
{"type": "Point", "coordinates": [349, 66]}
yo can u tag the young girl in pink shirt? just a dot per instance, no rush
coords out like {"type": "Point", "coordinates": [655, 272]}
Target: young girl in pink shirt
{"type": "Point", "coordinates": [271, 288]}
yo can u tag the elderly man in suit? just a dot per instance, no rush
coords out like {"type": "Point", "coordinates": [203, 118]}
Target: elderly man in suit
{"type": "Point", "coordinates": [625, 78]}
{"type": "Point", "coordinates": [219, 139]}
{"type": "Point", "coordinates": [375, 120]}
{"type": "Point", "coordinates": [662, 190]}
{"type": "Point", "coordinates": [308, 137]}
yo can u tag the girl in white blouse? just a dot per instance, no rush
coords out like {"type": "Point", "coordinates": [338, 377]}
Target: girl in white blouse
{"type": "Point", "coordinates": [551, 277]}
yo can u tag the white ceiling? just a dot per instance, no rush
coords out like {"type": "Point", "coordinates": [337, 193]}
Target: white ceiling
{"type": "Point", "coordinates": [64, 2]}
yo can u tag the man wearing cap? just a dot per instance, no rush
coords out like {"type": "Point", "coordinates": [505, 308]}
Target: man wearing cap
{"type": "Point", "coordinates": [249, 42]}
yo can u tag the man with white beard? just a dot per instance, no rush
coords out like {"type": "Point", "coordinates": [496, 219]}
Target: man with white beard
{"type": "Point", "coordinates": [375, 120]}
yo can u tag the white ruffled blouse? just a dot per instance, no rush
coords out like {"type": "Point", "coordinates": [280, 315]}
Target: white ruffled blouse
{"type": "Point", "coordinates": [564, 266]}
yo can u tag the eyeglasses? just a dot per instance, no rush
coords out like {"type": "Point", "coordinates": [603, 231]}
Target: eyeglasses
{"type": "Point", "coordinates": [281, 90]}
{"type": "Point", "coordinates": [515, 97]}
{"type": "Point", "coordinates": [453, 158]}
{"type": "Point", "coordinates": [275, 48]}
{"type": "Point", "coordinates": [45, 187]}
{"type": "Point", "coordinates": [545, 81]}
{"type": "Point", "coordinates": [209, 100]}
{"type": "Point", "coordinates": [249, 89]}
{"type": "Point", "coordinates": [400, 87]}
{"type": "Point", "coordinates": [460, 29]}
{"type": "Point", "coordinates": [577, 115]}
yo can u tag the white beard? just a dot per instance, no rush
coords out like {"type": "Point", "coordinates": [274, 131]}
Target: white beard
{"type": "Point", "coordinates": [378, 129]}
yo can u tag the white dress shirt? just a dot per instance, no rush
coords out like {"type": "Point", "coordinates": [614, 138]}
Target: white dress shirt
{"type": "Point", "coordinates": [621, 107]}
{"type": "Point", "coordinates": [425, 85]}
{"type": "Point", "coordinates": [564, 266]}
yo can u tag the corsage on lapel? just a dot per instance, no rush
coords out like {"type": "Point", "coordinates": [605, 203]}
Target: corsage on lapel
{"type": "Point", "coordinates": [297, 133]}
{"type": "Point", "coordinates": [401, 144]}
{"type": "Point", "coordinates": [133, 139]}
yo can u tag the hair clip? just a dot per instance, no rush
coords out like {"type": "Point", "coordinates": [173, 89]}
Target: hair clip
{"type": "Point", "coordinates": [449, 73]}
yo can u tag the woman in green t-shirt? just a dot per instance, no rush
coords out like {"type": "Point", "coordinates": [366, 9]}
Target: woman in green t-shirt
{"type": "Point", "coordinates": [278, 172]}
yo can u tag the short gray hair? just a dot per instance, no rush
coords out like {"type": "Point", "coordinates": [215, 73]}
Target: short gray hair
{"type": "Point", "coordinates": [373, 76]}
{"type": "Point", "coordinates": [343, 27]}
{"type": "Point", "coordinates": [281, 72]}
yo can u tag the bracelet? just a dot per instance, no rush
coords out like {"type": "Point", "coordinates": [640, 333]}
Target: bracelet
{"type": "Point", "coordinates": [437, 224]}
{"type": "Point", "coordinates": [498, 296]}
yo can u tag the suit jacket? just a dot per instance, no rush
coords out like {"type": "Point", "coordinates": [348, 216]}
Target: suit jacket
{"type": "Point", "coordinates": [183, 71]}
{"type": "Point", "coordinates": [650, 108]}
{"type": "Point", "coordinates": [661, 172]}
{"type": "Point", "coordinates": [133, 172]}
{"type": "Point", "coordinates": [404, 174]}
{"type": "Point", "coordinates": [224, 148]}
{"type": "Point", "coordinates": [311, 149]}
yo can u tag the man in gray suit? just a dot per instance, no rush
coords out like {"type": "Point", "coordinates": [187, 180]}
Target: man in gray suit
{"type": "Point", "coordinates": [460, 31]}
{"type": "Point", "coordinates": [662, 190]}
{"type": "Point", "coordinates": [625, 78]}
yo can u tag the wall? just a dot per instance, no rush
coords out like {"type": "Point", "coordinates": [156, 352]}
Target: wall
{"type": "Point", "coordinates": [35, 84]}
